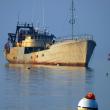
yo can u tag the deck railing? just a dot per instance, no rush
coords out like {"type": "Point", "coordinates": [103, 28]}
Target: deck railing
{"type": "Point", "coordinates": [76, 37]}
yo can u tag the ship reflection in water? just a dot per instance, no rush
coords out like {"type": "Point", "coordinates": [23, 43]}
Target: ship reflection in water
{"type": "Point", "coordinates": [30, 87]}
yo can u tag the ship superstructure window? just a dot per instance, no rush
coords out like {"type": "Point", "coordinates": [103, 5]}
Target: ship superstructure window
{"type": "Point", "coordinates": [32, 49]}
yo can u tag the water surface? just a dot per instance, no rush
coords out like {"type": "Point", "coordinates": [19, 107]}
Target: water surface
{"type": "Point", "coordinates": [30, 87]}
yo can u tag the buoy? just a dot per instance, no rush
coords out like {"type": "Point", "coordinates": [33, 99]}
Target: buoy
{"type": "Point", "coordinates": [28, 68]}
{"type": "Point", "coordinates": [88, 102]}
{"type": "Point", "coordinates": [107, 74]}
{"type": "Point", "coordinates": [58, 65]}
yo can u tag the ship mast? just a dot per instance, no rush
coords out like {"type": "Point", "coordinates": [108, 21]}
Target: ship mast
{"type": "Point", "coordinates": [72, 19]}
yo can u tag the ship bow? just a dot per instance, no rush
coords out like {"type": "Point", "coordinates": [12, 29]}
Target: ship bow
{"type": "Point", "coordinates": [90, 48]}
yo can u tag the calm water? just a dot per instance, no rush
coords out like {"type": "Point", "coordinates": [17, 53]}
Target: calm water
{"type": "Point", "coordinates": [52, 87]}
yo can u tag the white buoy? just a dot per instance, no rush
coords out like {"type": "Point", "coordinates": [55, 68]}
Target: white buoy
{"type": "Point", "coordinates": [88, 102]}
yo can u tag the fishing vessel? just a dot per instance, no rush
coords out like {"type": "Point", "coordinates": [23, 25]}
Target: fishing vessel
{"type": "Point", "coordinates": [29, 45]}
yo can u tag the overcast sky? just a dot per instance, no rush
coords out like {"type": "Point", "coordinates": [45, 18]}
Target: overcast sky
{"type": "Point", "coordinates": [92, 17]}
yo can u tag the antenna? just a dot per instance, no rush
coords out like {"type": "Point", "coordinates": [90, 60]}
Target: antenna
{"type": "Point", "coordinates": [43, 14]}
{"type": "Point", "coordinates": [43, 17]}
{"type": "Point", "coordinates": [18, 18]}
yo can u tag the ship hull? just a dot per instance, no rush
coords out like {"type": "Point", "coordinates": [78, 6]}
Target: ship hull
{"type": "Point", "coordinates": [67, 53]}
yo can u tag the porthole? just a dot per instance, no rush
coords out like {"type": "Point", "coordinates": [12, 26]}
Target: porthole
{"type": "Point", "coordinates": [42, 55]}
{"type": "Point", "coordinates": [14, 58]}
{"type": "Point", "coordinates": [36, 56]}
